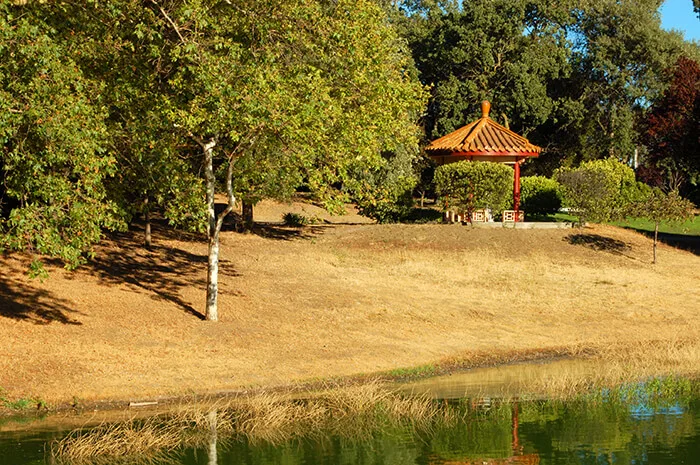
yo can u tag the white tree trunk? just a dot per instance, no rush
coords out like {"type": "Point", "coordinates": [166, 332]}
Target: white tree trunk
{"type": "Point", "coordinates": [214, 223]}
{"type": "Point", "coordinates": [147, 218]}
{"type": "Point", "coordinates": [656, 239]}
{"type": "Point", "coordinates": [212, 312]}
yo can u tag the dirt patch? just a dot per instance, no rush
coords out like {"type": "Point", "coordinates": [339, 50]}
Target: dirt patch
{"type": "Point", "coordinates": [328, 301]}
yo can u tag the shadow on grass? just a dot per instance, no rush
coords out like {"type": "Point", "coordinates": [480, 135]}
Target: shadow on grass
{"type": "Point", "coordinates": [161, 271]}
{"type": "Point", "coordinates": [687, 242]}
{"type": "Point", "coordinates": [39, 306]}
{"type": "Point", "coordinates": [286, 233]}
{"type": "Point", "coordinates": [598, 243]}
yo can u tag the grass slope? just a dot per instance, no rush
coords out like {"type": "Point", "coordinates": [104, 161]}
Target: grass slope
{"type": "Point", "coordinates": [328, 301]}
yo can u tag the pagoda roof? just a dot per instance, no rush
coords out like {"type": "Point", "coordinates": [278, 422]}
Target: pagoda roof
{"type": "Point", "coordinates": [484, 138]}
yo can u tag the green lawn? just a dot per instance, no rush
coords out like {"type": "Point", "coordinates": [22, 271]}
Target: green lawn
{"type": "Point", "coordinates": [687, 228]}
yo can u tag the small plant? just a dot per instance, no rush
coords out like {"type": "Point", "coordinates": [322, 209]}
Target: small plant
{"type": "Point", "coordinates": [20, 404]}
{"type": "Point", "coordinates": [295, 219]}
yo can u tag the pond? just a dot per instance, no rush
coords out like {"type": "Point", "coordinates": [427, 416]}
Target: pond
{"type": "Point", "coordinates": [657, 422]}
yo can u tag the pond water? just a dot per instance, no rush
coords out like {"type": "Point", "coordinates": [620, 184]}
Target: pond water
{"type": "Point", "coordinates": [639, 424]}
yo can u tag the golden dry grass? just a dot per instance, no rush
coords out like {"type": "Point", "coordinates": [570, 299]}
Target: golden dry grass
{"type": "Point", "coordinates": [353, 413]}
{"type": "Point", "coordinates": [332, 301]}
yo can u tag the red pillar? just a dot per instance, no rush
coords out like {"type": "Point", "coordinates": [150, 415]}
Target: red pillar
{"type": "Point", "coordinates": [516, 190]}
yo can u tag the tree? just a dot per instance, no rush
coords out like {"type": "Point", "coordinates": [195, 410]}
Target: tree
{"type": "Point", "coordinates": [672, 129]}
{"type": "Point", "coordinates": [293, 91]}
{"type": "Point", "coordinates": [505, 51]}
{"type": "Point", "coordinates": [658, 207]}
{"type": "Point", "coordinates": [53, 157]}
{"type": "Point", "coordinates": [574, 77]}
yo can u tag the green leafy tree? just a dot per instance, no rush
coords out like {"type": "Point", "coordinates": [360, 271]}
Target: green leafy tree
{"type": "Point", "coordinates": [574, 77]}
{"type": "Point", "coordinates": [277, 92]}
{"type": "Point", "coordinates": [53, 145]}
{"type": "Point", "coordinates": [659, 207]}
{"type": "Point", "coordinates": [508, 52]}
{"type": "Point", "coordinates": [470, 185]}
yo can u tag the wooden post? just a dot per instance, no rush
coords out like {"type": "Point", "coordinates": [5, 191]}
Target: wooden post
{"type": "Point", "coordinates": [516, 189]}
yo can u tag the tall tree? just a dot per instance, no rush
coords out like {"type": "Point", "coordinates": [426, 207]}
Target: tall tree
{"type": "Point", "coordinates": [504, 51]}
{"type": "Point", "coordinates": [620, 59]}
{"type": "Point", "coordinates": [672, 130]}
{"type": "Point", "coordinates": [53, 157]}
{"type": "Point", "coordinates": [281, 91]}
{"type": "Point", "coordinates": [575, 77]}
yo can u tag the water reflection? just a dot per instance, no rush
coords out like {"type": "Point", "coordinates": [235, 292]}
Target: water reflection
{"type": "Point", "coordinates": [518, 456]}
{"type": "Point", "coordinates": [656, 423]}
{"type": "Point", "coordinates": [213, 434]}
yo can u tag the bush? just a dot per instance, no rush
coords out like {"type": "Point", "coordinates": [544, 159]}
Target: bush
{"type": "Point", "coordinates": [470, 185]}
{"type": "Point", "coordinates": [385, 193]}
{"type": "Point", "coordinates": [599, 190]}
{"type": "Point", "coordinates": [539, 195]}
{"type": "Point", "coordinates": [386, 204]}
{"type": "Point", "coordinates": [295, 219]}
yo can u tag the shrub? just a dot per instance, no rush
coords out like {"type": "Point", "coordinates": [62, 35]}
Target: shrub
{"type": "Point", "coordinates": [471, 185]}
{"type": "Point", "coordinates": [599, 190]}
{"type": "Point", "coordinates": [539, 195]}
{"type": "Point", "coordinates": [295, 219]}
{"type": "Point", "coordinates": [385, 203]}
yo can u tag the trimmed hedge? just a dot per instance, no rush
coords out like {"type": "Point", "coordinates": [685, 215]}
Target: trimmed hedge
{"type": "Point", "coordinates": [470, 185]}
{"type": "Point", "coordinates": [539, 195]}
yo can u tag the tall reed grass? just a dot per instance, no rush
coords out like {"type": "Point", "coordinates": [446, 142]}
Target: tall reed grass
{"type": "Point", "coordinates": [353, 413]}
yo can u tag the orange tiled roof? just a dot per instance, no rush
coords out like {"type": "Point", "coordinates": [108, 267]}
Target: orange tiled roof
{"type": "Point", "coordinates": [483, 137]}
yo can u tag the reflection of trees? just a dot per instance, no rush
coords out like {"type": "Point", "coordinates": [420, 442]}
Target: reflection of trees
{"type": "Point", "coordinates": [508, 438]}
{"type": "Point", "coordinates": [607, 429]}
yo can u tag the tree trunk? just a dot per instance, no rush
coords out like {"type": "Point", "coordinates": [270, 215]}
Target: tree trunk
{"type": "Point", "coordinates": [212, 234]}
{"type": "Point", "coordinates": [214, 223]}
{"type": "Point", "coordinates": [656, 238]}
{"type": "Point", "coordinates": [247, 213]}
{"type": "Point", "coordinates": [147, 218]}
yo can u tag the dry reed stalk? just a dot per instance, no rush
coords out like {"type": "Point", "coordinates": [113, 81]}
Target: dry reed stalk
{"type": "Point", "coordinates": [354, 413]}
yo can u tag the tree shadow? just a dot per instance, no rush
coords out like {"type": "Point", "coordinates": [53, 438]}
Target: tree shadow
{"type": "Point", "coordinates": [39, 306]}
{"type": "Point", "coordinates": [598, 243]}
{"type": "Point", "coordinates": [161, 271]}
{"type": "Point", "coordinates": [286, 233]}
{"type": "Point", "coordinates": [681, 241]}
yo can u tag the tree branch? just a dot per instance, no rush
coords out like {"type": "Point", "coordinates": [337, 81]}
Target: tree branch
{"type": "Point", "coordinates": [167, 18]}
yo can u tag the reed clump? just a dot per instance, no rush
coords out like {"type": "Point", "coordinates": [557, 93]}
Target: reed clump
{"type": "Point", "coordinates": [353, 413]}
{"type": "Point", "coordinates": [613, 365]}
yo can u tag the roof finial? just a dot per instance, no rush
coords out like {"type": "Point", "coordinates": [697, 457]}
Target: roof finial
{"type": "Point", "coordinates": [485, 108]}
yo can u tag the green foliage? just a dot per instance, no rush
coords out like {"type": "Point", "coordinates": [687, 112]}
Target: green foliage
{"type": "Point", "coordinates": [20, 404]}
{"type": "Point", "coordinates": [53, 145]}
{"type": "Point", "coordinates": [658, 206]}
{"type": "Point", "coordinates": [539, 195]}
{"type": "Point", "coordinates": [471, 185]}
{"type": "Point", "coordinates": [599, 190]}
{"type": "Point", "coordinates": [575, 77]}
{"type": "Point", "coordinates": [385, 193]}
